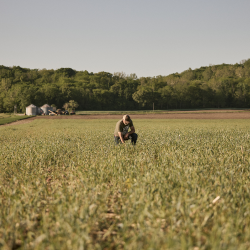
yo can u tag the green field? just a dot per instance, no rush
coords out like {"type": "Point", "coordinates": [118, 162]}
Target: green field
{"type": "Point", "coordinates": [6, 118]}
{"type": "Point", "coordinates": [186, 185]}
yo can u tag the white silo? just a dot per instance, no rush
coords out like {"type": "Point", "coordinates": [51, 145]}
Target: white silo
{"type": "Point", "coordinates": [31, 110]}
{"type": "Point", "coordinates": [46, 109]}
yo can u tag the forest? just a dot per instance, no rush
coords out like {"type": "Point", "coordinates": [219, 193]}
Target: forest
{"type": "Point", "coordinates": [214, 86]}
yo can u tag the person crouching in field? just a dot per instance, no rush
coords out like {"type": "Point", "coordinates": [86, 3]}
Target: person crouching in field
{"type": "Point", "coordinates": [121, 133]}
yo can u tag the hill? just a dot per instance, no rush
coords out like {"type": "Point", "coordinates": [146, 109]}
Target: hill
{"type": "Point", "coordinates": [215, 86]}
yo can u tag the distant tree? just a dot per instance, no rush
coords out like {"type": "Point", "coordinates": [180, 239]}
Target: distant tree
{"type": "Point", "coordinates": [67, 72]}
{"type": "Point", "coordinates": [166, 96]}
{"type": "Point", "coordinates": [146, 97]}
{"type": "Point", "coordinates": [71, 105]}
{"type": "Point", "coordinates": [243, 93]}
{"type": "Point", "coordinates": [240, 72]}
{"type": "Point", "coordinates": [247, 68]}
{"type": "Point", "coordinates": [247, 63]}
{"type": "Point", "coordinates": [207, 73]}
{"type": "Point", "coordinates": [188, 75]}
{"type": "Point", "coordinates": [194, 94]}
{"type": "Point", "coordinates": [120, 75]}
{"type": "Point", "coordinates": [49, 92]}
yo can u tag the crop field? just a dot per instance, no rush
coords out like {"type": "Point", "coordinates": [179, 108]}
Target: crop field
{"type": "Point", "coordinates": [6, 118]}
{"type": "Point", "coordinates": [185, 185]}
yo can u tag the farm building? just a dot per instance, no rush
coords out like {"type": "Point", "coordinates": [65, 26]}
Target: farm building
{"type": "Point", "coordinates": [31, 110]}
{"type": "Point", "coordinates": [46, 109]}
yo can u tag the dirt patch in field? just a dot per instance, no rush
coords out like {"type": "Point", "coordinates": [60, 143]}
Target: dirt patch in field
{"type": "Point", "coordinates": [174, 115]}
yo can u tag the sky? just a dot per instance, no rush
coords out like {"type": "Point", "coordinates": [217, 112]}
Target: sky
{"type": "Point", "coordinates": [145, 37]}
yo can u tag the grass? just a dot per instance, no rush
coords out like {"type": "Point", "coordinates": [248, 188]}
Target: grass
{"type": "Point", "coordinates": [137, 112]}
{"type": "Point", "coordinates": [64, 185]}
{"type": "Point", "coordinates": [6, 118]}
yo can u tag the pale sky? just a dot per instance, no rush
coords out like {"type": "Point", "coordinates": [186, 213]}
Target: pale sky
{"type": "Point", "coordinates": [144, 37]}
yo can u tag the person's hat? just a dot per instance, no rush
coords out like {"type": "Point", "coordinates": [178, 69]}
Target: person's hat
{"type": "Point", "coordinates": [126, 118]}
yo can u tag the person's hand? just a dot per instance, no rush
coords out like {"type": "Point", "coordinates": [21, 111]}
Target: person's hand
{"type": "Point", "coordinates": [126, 136]}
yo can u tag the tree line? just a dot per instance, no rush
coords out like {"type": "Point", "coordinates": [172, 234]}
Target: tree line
{"type": "Point", "coordinates": [215, 86]}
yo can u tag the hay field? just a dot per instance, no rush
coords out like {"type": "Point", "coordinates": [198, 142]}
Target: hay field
{"type": "Point", "coordinates": [186, 185]}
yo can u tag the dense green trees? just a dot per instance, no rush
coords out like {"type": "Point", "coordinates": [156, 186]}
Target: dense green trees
{"type": "Point", "coordinates": [71, 105]}
{"type": "Point", "coordinates": [216, 86]}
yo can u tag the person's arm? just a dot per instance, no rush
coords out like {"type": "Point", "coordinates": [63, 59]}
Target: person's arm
{"type": "Point", "coordinates": [121, 137]}
{"type": "Point", "coordinates": [132, 130]}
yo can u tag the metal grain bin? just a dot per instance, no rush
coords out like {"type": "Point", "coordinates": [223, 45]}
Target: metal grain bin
{"type": "Point", "coordinates": [31, 110]}
{"type": "Point", "coordinates": [46, 109]}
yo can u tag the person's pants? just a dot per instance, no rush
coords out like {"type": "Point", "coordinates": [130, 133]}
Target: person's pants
{"type": "Point", "coordinates": [132, 137]}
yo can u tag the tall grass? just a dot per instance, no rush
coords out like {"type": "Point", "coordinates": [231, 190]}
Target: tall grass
{"type": "Point", "coordinates": [64, 185]}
